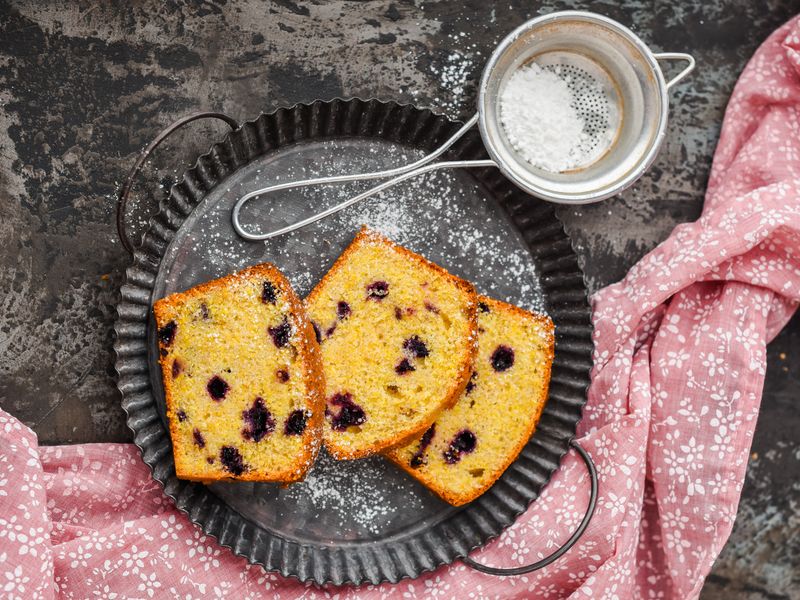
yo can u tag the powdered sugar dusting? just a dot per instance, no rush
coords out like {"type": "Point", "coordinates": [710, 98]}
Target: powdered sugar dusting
{"type": "Point", "coordinates": [470, 249]}
{"type": "Point", "coordinates": [349, 490]}
{"type": "Point", "coordinates": [456, 73]}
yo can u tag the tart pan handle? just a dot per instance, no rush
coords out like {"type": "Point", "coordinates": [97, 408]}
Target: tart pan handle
{"type": "Point", "coordinates": [122, 197]}
{"type": "Point", "coordinates": [567, 545]}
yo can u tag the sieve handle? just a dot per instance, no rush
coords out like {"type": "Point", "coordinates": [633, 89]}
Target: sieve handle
{"type": "Point", "coordinates": [587, 517]}
{"type": "Point", "coordinates": [397, 175]}
{"type": "Point", "coordinates": [677, 56]}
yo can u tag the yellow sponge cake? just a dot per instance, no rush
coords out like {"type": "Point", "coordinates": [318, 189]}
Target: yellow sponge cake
{"type": "Point", "coordinates": [398, 336]}
{"type": "Point", "coordinates": [242, 379]}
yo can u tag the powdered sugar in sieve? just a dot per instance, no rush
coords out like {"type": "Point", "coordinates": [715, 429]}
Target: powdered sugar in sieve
{"type": "Point", "coordinates": [561, 111]}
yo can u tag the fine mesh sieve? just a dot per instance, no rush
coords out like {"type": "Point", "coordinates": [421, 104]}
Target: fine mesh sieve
{"type": "Point", "coordinates": [619, 92]}
{"type": "Point", "coordinates": [621, 95]}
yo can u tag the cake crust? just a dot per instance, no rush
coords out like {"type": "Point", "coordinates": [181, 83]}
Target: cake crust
{"type": "Point", "coordinates": [308, 351]}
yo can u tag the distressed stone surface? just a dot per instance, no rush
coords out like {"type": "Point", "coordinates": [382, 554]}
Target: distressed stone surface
{"type": "Point", "coordinates": [84, 86]}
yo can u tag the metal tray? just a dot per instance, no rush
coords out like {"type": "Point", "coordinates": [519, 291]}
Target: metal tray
{"type": "Point", "coordinates": [359, 521]}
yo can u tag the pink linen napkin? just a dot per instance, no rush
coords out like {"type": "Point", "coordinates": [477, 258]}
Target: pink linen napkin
{"type": "Point", "coordinates": [680, 364]}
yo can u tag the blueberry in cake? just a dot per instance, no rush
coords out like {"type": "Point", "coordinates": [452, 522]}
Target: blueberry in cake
{"type": "Point", "coordinates": [242, 379]}
{"type": "Point", "coordinates": [471, 444]}
{"type": "Point", "coordinates": [397, 335]}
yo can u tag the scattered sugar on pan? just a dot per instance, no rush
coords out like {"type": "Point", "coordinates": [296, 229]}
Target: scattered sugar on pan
{"type": "Point", "coordinates": [348, 491]}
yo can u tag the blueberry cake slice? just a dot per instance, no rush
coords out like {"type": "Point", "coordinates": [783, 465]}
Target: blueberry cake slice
{"type": "Point", "coordinates": [242, 379]}
{"type": "Point", "coordinates": [397, 336]}
{"type": "Point", "coordinates": [471, 444]}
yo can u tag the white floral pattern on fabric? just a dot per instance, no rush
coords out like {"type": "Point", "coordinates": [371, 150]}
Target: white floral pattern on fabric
{"type": "Point", "coordinates": [679, 370]}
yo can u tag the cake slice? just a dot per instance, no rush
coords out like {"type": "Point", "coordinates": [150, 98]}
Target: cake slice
{"type": "Point", "coordinates": [242, 379]}
{"type": "Point", "coordinates": [470, 445]}
{"type": "Point", "coordinates": [397, 336]}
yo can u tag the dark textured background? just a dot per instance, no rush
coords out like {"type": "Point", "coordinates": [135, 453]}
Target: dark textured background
{"type": "Point", "coordinates": [85, 85]}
